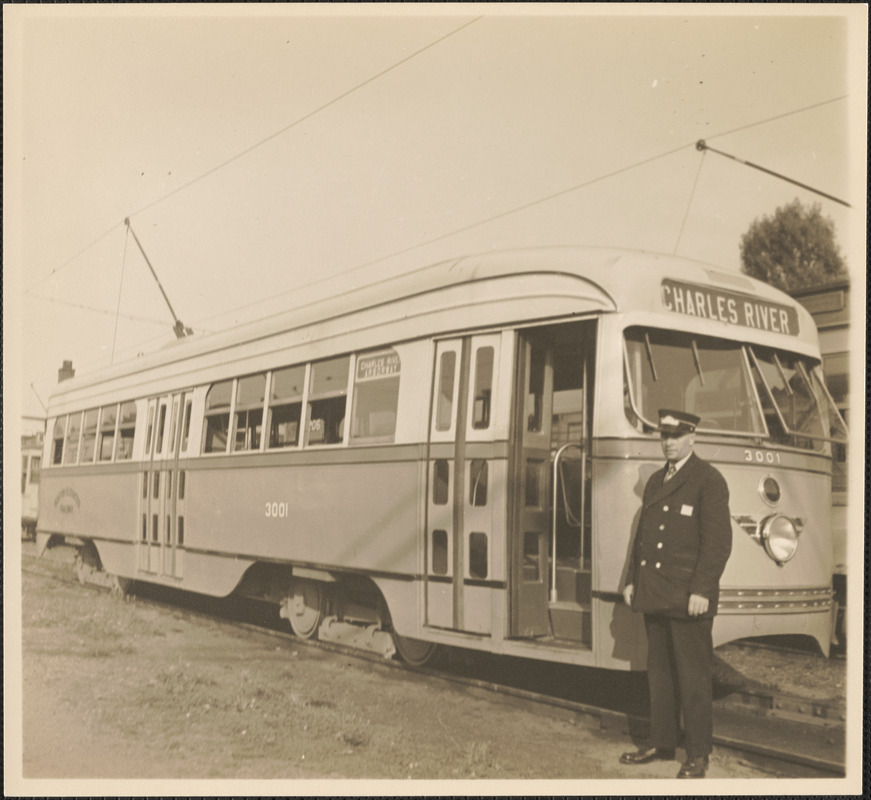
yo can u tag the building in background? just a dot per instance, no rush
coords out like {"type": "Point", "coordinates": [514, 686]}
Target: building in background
{"type": "Point", "coordinates": [829, 305]}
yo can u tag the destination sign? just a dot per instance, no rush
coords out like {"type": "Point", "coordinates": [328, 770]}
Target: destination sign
{"type": "Point", "coordinates": [381, 365]}
{"type": "Point", "coordinates": [722, 306]}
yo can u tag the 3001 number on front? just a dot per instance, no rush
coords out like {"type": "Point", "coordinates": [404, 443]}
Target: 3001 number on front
{"type": "Point", "coordinates": [276, 510]}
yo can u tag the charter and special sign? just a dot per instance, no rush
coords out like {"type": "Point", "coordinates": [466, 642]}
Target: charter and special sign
{"type": "Point", "coordinates": [731, 307]}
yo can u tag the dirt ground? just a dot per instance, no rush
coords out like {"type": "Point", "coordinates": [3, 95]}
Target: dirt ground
{"type": "Point", "coordinates": [115, 689]}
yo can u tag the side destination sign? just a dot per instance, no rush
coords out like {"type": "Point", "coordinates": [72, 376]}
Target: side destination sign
{"type": "Point", "coordinates": [737, 309]}
{"type": "Point", "coordinates": [382, 365]}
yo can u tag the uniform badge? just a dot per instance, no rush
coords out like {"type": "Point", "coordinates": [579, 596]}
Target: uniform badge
{"type": "Point", "coordinates": [686, 511]}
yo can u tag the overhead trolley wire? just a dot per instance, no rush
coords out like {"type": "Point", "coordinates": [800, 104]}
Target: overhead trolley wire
{"type": "Point", "coordinates": [263, 141]}
{"type": "Point", "coordinates": [454, 232]}
{"type": "Point", "coordinates": [305, 117]}
{"type": "Point", "coordinates": [531, 204]}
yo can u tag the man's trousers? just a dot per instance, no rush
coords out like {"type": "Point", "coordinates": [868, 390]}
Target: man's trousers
{"type": "Point", "coordinates": [680, 661]}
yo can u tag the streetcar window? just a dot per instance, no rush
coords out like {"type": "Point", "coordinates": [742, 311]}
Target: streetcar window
{"type": "Point", "coordinates": [788, 399]}
{"type": "Point", "coordinates": [71, 443]}
{"type": "Point", "coordinates": [445, 401]}
{"type": "Point", "coordinates": [376, 396]}
{"type": "Point", "coordinates": [250, 394]}
{"type": "Point", "coordinates": [89, 437]}
{"type": "Point", "coordinates": [477, 555]}
{"type": "Point", "coordinates": [704, 376]}
{"type": "Point", "coordinates": [58, 440]}
{"type": "Point", "coordinates": [23, 473]}
{"type": "Point", "coordinates": [172, 425]}
{"type": "Point", "coordinates": [285, 406]}
{"type": "Point", "coordinates": [440, 552]}
{"type": "Point", "coordinates": [161, 429]}
{"type": "Point", "coordinates": [186, 426]}
{"type": "Point", "coordinates": [126, 429]}
{"type": "Point", "coordinates": [181, 531]}
{"type": "Point", "coordinates": [531, 557]}
{"type": "Point", "coordinates": [149, 429]}
{"type": "Point", "coordinates": [478, 482]}
{"type": "Point", "coordinates": [440, 482]}
{"type": "Point", "coordinates": [217, 423]}
{"type": "Point", "coordinates": [108, 419]}
{"type": "Point", "coordinates": [35, 465]}
{"type": "Point", "coordinates": [535, 400]}
{"type": "Point", "coordinates": [483, 388]}
{"type": "Point", "coordinates": [328, 393]}
{"type": "Point", "coordinates": [181, 484]}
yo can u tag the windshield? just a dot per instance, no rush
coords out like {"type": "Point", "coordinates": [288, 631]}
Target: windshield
{"type": "Point", "coordinates": [734, 388]}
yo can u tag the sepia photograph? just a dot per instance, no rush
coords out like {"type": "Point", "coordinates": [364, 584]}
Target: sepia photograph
{"type": "Point", "coordinates": [434, 399]}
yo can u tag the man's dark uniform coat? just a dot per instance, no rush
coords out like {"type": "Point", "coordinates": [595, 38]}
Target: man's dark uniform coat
{"type": "Point", "coordinates": [683, 540]}
{"type": "Point", "coordinates": [682, 543]}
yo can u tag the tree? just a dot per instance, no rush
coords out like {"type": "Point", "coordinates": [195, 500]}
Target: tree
{"type": "Point", "coordinates": [793, 249]}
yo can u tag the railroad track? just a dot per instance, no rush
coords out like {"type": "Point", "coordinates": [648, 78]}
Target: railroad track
{"type": "Point", "coordinates": [783, 735]}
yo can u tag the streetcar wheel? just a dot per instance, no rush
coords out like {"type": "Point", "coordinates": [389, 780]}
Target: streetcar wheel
{"type": "Point", "coordinates": [307, 608]}
{"type": "Point", "coordinates": [84, 569]}
{"type": "Point", "coordinates": [415, 652]}
{"type": "Point", "coordinates": [122, 586]}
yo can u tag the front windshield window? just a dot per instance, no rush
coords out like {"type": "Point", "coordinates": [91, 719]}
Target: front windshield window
{"type": "Point", "coordinates": [706, 377]}
{"type": "Point", "coordinates": [733, 388]}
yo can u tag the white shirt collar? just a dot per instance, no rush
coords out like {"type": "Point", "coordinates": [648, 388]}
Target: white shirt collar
{"type": "Point", "coordinates": [679, 464]}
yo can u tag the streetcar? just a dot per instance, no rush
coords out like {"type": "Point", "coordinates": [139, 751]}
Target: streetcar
{"type": "Point", "coordinates": [31, 461]}
{"type": "Point", "coordinates": [455, 457]}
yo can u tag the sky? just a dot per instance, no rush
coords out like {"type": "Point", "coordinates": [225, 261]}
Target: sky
{"type": "Point", "coordinates": [268, 154]}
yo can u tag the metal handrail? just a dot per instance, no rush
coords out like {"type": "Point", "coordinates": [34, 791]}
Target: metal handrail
{"type": "Point", "coordinates": [556, 477]}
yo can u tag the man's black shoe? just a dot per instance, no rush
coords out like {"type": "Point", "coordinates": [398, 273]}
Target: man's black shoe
{"type": "Point", "coordinates": [647, 754]}
{"type": "Point", "coordinates": [694, 768]}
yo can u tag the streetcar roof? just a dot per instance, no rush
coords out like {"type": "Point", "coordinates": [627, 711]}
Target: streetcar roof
{"type": "Point", "coordinates": [603, 280]}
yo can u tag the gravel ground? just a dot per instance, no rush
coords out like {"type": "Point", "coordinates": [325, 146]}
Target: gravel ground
{"type": "Point", "coordinates": [116, 690]}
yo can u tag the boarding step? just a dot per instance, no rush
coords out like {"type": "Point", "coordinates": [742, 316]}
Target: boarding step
{"type": "Point", "coordinates": [571, 621]}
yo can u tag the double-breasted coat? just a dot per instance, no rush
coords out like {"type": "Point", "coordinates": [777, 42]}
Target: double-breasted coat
{"type": "Point", "coordinates": [683, 540]}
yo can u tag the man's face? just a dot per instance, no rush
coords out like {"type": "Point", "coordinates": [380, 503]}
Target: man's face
{"type": "Point", "coordinates": [677, 447]}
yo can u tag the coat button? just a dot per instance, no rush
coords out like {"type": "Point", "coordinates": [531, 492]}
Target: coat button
{"type": "Point", "coordinates": [665, 508]}
{"type": "Point", "coordinates": [643, 562]}
{"type": "Point", "coordinates": [659, 545]}
{"type": "Point", "coordinates": [662, 527]}
{"type": "Point", "coordinates": [658, 565]}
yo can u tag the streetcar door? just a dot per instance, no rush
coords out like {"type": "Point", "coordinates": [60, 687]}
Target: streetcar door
{"type": "Point", "coordinates": [460, 515]}
{"type": "Point", "coordinates": [551, 551]}
{"type": "Point", "coordinates": [172, 484]}
{"type": "Point", "coordinates": [158, 535]}
{"type": "Point", "coordinates": [148, 497]}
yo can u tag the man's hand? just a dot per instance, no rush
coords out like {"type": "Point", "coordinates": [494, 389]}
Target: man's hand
{"type": "Point", "coordinates": [698, 605]}
{"type": "Point", "coordinates": [628, 593]}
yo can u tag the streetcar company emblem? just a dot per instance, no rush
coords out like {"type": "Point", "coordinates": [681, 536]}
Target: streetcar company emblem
{"type": "Point", "coordinates": [382, 365]}
{"type": "Point", "coordinates": [67, 501]}
{"type": "Point", "coordinates": [737, 309]}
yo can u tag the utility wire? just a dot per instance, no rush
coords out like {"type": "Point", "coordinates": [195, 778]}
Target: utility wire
{"type": "Point", "coordinates": [780, 116]}
{"type": "Point", "coordinates": [305, 117]}
{"type": "Point", "coordinates": [71, 259]}
{"type": "Point", "coordinates": [253, 147]}
{"type": "Point", "coordinates": [96, 310]}
{"type": "Point", "coordinates": [689, 204]}
{"type": "Point", "coordinates": [454, 232]}
{"type": "Point", "coordinates": [120, 288]}
{"type": "Point", "coordinates": [525, 207]}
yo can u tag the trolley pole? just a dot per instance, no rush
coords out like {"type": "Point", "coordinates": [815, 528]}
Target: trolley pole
{"type": "Point", "coordinates": [178, 328]}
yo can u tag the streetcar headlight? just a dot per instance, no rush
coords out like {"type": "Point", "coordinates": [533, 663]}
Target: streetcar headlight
{"type": "Point", "coordinates": [779, 536]}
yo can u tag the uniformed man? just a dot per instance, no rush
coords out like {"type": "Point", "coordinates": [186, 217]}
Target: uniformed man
{"type": "Point", "coordinates": [681, 546]}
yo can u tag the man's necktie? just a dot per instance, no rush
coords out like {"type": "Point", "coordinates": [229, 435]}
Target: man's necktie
{"type": "Point", "coordinates": [670, 472]}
